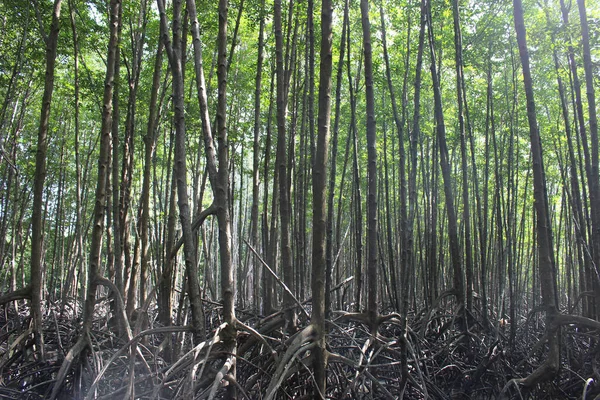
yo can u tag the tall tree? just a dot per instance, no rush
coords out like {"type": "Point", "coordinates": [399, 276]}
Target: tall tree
{"type": "Point", "coordinates": [460, 100]}
{"type": "Point", "coordinates": [149, 148]}
{"type": "Point", "coordinates": [371, 168]}
{"type": "Point", "coordinates": [319, 181]}
{"type": "Point", "coordinates": [37, 223]}
{"type": "Point", "coordinates": [281, 165]}
{"type": "Point", "coordinates": [594, 178]}
{"type": "Point", "coordinates": [333, 162]}
{"type": "Point", "coordinates": [174, 53]}
{"type": "Point", "coordinates": [100, 197]}
{"type": "Point", "coordinates": [458, 278]}
{"type": "Point", "coordinates": [544, 231]}
{"type": "Point", "coordinates": [256, 270]}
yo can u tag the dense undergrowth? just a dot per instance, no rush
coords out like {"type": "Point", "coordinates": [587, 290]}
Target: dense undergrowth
{"type": "Point", "coordinates": [443, 363]}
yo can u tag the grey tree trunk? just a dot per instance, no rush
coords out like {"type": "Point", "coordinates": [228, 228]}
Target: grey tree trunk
{"type": "Point", "coordinates": [372, 282]}
{"type": "Point", "coordinates": [174, 53]}
{"type": "Point", "coordinates": [256, 269]}
{"type": "Point", "coordinates": [37, 235]}
{"type": "Point", "coordinates": [103, 167]}
{"type": "Point", "coordinates": [594, 182]}
{"type": "Point", "coordinates": [319, 182]}
{"type": "Point", "coordinates": [544, 231]}
{"type": "Point", "coordinates": [281, 161]}
{"type": "Point", "coordinates": [458, 279]}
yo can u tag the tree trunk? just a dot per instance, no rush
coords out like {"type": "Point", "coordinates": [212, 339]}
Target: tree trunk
{"type": "Point", "coordinates": [333, 166]}
{"type": "Point", "coordinates": [149, 147]}
{"type": "Point", "coordinates": [460, 95]}
{"type": "Point", "coordinates": [319, 183]}
{"type": "Point", "coordinates": [372, 281]}
{"type": "Point", "coordinates": [284, 190]}
{"type": "Point", "coordinates": [458, 279]}
{"type": "Point", "coordinates": [37, 235]}
{"type": "Point", "coordinates": [174, 53]}
{"type": "Point", "coordinates": [103, 166]}
{"type": "Point", "coordinates": [115, 266]}
{"type": "Point", "coordinates": [403, 210]}
{"type": "Point", "coordinates": [594, 182]}
{"type": "Point", "coordinates": [545, 259]}
{"type": "Point", "coordinates": [256, 269]}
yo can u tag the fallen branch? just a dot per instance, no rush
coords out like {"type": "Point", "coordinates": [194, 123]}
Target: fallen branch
{"type": "Point", "coordinates": [283, 285]}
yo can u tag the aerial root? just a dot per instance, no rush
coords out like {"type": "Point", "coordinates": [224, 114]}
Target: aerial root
{"type": "Point", "coordinates": [79, 346]}
{"type": "Point", "coordinates": [302, 342]}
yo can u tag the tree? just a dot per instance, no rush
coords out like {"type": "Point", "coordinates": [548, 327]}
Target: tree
{"type": "Point", "coordinates": [544, 232]}
{"type": "Point", "coordinates": [256, 269]}
{"type": "Point", "coordinates": [99, 206]}
{"type": "Point", "coordinates": [281, 162]}
{"type": "Point", "coordinates": [174, 53]}
{"type": "Point", "coordinates": [371, 170]}
{"type": "Point", "coordinates": [458, 278]}
{"type": "Point", "coordinates": [37, 223]}
{"type": "Point", "coordinates": [319, 180]}
{"type": "Point", "coordinates": [594, 177]}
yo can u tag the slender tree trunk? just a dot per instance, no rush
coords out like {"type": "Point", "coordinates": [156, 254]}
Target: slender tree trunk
{"type": "Point", "coordinates": [412, 196]}
{"type": "Point", "coordinates": [103, 167]}
{"type": "Point", "coordinates": [333, 166]}
{"type": "Point", "coordinates": [115, 266]}
{"type": "Point", "coordinates": [165, 285]}
{"type": "Point", "coordinates": [372, 282]}
{"type": "Point", "coordinates": [460, 94]}
{"type": "Point", "coordinates": [400, 132]}
{"type": "Point", "coordinates": [256, 270]}
{"type": "Point", "coordinates": [269, 231]}
{"type": "Point", "coordinates": [174, 53]}
{"type": "Point", "coordinates": [221, 192]}
{"type": "Point", "coordinates": [483, 220]}
{"type": "Point", "coordinates": [319, 181]}
{"type": "Point", "coordinates": [356, 193]}
{"type": "Point", "coordinates": [544, 232]}
{"type": "Point", "coordinates": [149, 147]}
{"type": "Point", "coordinates": [137, 38]}
{"type": "Point", "coordinates": [78, 258]}
{"type": "Point", "coordinates": [37, 235]}
{"type": "Point", "coordinates": [458, 279]}
{"type": "Point", "coordinates": [284, 192]}
{"type": "Point", "coordinates": [594, 182]}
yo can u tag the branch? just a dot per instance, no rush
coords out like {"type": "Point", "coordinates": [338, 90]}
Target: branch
{"type": "Point", "coordinates": [211, 210]}
{"type": "Point", "coordinates": [283, 285]}
{"type": "Point", "coordinates": [40, 23]}
{"type": "Point", "coordinates": [165, 28]}
{"type": "Point", "coordinates": [19, 294]}
{"type": "Point", "coordinates": [120, 304]}
{"type": "Point", "coordinates": [566, 319]}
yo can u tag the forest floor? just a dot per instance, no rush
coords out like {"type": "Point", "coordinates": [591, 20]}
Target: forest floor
{"type": "Point", "coordinates": [442, 362]}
